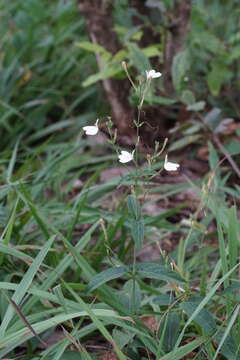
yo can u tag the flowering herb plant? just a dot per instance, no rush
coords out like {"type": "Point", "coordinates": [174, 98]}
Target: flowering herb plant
{"type": "Point", "coordinates": [135, 223]}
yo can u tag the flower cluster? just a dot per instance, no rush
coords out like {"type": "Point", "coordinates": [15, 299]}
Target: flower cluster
{"type": "Point", "coordinates": [125, 156]}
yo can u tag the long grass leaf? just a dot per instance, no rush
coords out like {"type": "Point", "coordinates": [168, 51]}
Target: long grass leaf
{"type": "Point", "coordinates": [24, 284]}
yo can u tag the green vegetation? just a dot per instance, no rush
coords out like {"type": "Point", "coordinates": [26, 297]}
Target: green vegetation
{"type": "Point", "coordinates": [77, 278]}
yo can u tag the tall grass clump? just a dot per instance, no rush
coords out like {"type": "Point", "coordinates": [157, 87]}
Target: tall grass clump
{"type": "Point", "coordinates": [39, 61]}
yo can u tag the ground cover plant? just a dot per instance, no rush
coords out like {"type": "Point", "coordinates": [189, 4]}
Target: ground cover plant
{"type": "Point", "coordinates": [112, 249]}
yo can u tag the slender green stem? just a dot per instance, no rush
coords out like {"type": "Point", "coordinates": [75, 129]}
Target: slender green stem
{"type": "Point", "coordinates": [134, 280]}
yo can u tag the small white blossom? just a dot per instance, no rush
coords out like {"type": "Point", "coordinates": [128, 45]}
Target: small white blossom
{"type": "Point", "coordinates": [91, 130]}
{"type": "Point", "coordinates": [125, 156]}
{"type": "Point", "coordinates": [181, 289]}
{"type": "Point", "coordinates": [152, 74]}
{"type": "Point", "coordinates": [170, 166]}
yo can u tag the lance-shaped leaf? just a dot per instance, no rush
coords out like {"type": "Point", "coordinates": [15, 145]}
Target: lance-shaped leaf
{"type": "Point", "coordinates": [107, 275]}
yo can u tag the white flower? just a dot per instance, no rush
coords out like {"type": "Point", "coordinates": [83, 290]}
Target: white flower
{"type": "Point", "coordinates": [152, 74]}
{"type": "Point", "coordinates": [169, 166]}
{"type": "Point", "coordinates": [181, 289]}
{"type": "Point", "coordinates": [125, 156]}
{"type": "Point", "coordinates": [91, 130]}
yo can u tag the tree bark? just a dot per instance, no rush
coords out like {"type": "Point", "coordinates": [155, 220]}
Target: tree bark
{"type": "Point", "coordinates": [176, 38]}
{"type": "Point", "coordinates": [100, 29]}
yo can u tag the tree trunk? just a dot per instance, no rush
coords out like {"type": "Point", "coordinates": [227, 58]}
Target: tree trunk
{"type": "Point", "coordinates": [98, 15]}
{"type": "Point", "coordinates": [176, 38]}
{"type": "Point", "coordinates": [100, 29]}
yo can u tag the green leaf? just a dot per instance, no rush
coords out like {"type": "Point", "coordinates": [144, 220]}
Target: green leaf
{"type": "Point", "coordinates": [210, 41]}
{"type": "Point", "coordinates": [231, 288]}
{"type": "Point", "coordinates": [216, 78]}
{"type": "Point", "coordinates": [153, 99]}
{"type": "Point", "coordinates": [232, 147]}
{"type": "Point", "coordinates": [184, 350]}
{"type": "Point", "coordinates": [213, 156]}
{"type": "Point", "coordinates": [164, 300]}
{"type": "Point", "coordinates": [100, 325]}
{"type": "Point", "coordinates": [109, 71]}
{"type": "Point", "coordinates": [205, 300]}
{"type": "Point", "coordinates": [213, 117]}
{"type": "Point", "coordinates": [138, 58]}
{"type": "Point", "coordinates": [233, 237]}
{"type": "Point", "coordinates": [107, 275]}
{"type": "Point", "coordinates": [131, 291]}
{"type": "Point", "coordinates": [137, 232]}
{"type": "Point", "coordinates": [226, 343]}
{"type": "Point", "coordinates": [133, 207]}
{"type": "Point", "coordinates": [95, 48]}
{"type": "Point", "coordinates": [25, 284]}
{"type": "Point", "coordinates": [12, 162]}
{"type": "Point", "coordinates": [198, 106]}
{"type": "Point", "coordinates": [188, 97]}
{"type": "Point", "coordinates": [186, 140]}
{"type": "Point", "coordinates": [171, 327]}
{"type": "Point", "coordinates": [122, 338]}
{"type": "Point", "coordinates": [203, 318]}
{"type": "Point", "coordinates": [151, 51]}
{"type": "Point", "coordinates": [158, 272]}
{"type": "Point", "coordinates": [181, 64]}
{"type": "Point", "coordinates": [70, 355]}
{"type": "Point", "coordinates": [23, 334]}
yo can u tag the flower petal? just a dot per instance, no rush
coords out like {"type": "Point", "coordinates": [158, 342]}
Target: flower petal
{"type": "Point", "coordinates": [152, 74]}
{"type": "Point", "coordinates": [90, 130]}
{"type": "Point", "coordinates": [125, 156]}
{"type": "Point", "coordinates": [170, 166]}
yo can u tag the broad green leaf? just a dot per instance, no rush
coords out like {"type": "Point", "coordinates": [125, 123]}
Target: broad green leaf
{"type": "Point", "coordinates": [107, 275]}
{"type": "Point", "coordinates": [216, 77]}
{"type": "Point", "coordinates": [213, 117]}
{"type": "Point", "coordinates": [158, 272]}
{"type": "Point", "coordinates": [126, 296]}
{"type": "Point", "coordinates": [138, 58]}
{"type": "Point", "coordinates": [171, 328]}
{"type": "Point", "coordinates": [232, 147]}
{"type": "Point", "coordinates": [151, 51]}
{"type": "Point", "coordinates": [188, 97]}
{"type": "Point", "coordinates": [137, 232]}
{"type": "Point", "coordinates": [180, 66]}
{"type": "Point", "coordinates": [122, 338]}
{"type": "Point", "coordinates": [133, 207]}
{"type": "Point", "coordinates": [109, 71]}
{"type": "Point", "coordinates": [164, 300]}
{"type": "Point", "coordinates": [210, 41]}
{"type": "Point", "coordinates": [89, 46]}
{"type": "Point", "coordinates": [231, 288]}
{"type": "Point", "coordinates": [204, 318]}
